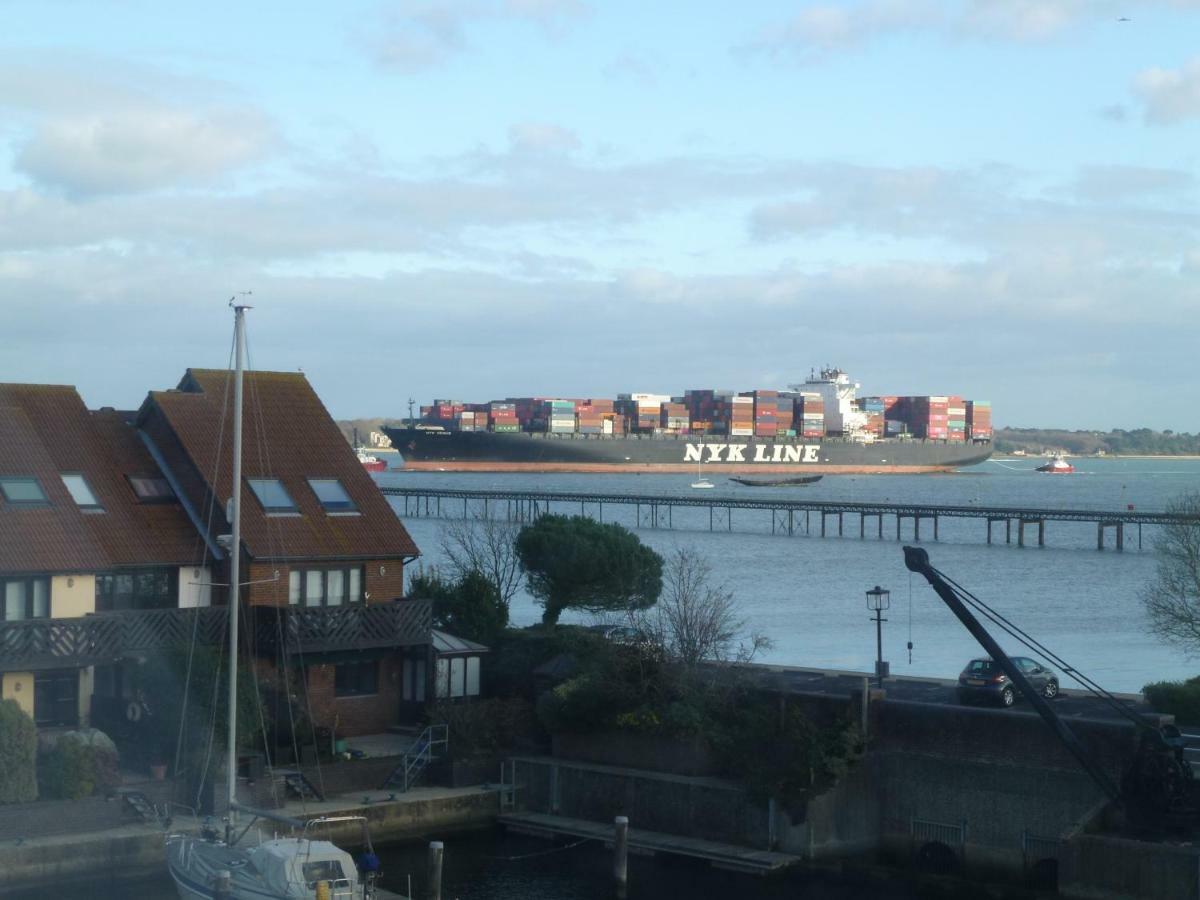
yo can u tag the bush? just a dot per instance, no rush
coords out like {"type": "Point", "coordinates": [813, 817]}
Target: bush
{"type": "Point", "coordinates": [1178, 698]}
{"type": "Point", "coordinates": [486, 727]}
{"type": "Point", "coordinates": [18, 754]}
{"type": "Point", "coordinates": [78, 765]}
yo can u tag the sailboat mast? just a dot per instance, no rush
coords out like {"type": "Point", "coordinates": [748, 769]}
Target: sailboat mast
{"type": "Point", "coordinates": [235, 545]}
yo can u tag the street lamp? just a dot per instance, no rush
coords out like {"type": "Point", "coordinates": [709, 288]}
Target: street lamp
{"type": "Point", "coordinates": [877, 601]}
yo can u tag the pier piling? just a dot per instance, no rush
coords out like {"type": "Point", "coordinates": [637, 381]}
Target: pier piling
{"type": "Point", "coordinates": [434, 868]}
{"type": "Point", "coordinates": [621, 854]}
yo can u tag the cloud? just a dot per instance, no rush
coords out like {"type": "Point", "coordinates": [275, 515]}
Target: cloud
{"type": "Point", "coordinates": [822, 28]}
{"type": "Point", "coordinates": [139, 150]}
{"type": "Point", "coordinates": [421, 35]}
{"type": "Point", "coordinates": [1170, 95]}
{"type": "Point", "coordinates": [542, 137]}
{"type": "Point", "coordinates": [86, 127]}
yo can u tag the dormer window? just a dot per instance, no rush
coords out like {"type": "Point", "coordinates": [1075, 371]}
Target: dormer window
{"type": "Point", "coordinates": [272, 495]}
{"type": "Point", "coordinates": [21, 490]}
{"type": "Point", "coordinates": [151, 488]}
{"type": "Point", "coordinates": [332, 495]}
{"type": "Point", "coordinates": [81, 492]}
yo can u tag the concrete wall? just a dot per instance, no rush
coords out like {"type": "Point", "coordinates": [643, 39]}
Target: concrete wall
{"type": "Point", "coordinates": [1112, 868]}
{"type": "Point", "coordinates": [72, 596]}
{"type": "Point", "coordinates": [18, 686]}
{"type": "Point", "coordinates": [195, 586]}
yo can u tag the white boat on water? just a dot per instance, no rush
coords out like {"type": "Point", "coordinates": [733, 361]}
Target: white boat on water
{"type": "Point", "coordinates": [209, 866]}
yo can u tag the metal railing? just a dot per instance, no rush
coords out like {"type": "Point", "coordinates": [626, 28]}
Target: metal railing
{"type": "Point", "coordinates": [432, 744]}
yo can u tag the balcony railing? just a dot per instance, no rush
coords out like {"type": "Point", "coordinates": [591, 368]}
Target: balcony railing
{"type": "Point", "coordinates": [401, 623]}
{"type": "Point", "coordinates": [102, 638]}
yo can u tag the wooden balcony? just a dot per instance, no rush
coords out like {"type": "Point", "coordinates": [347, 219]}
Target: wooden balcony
{"type": "Point", "coordinates": [400, 623]}
{"type": "Point", "coordinates": [101, 638]}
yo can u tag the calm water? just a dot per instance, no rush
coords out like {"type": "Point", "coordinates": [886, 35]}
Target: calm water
{"type": "Point", "coordinates": [807, 593]}
{"type": "Point", "coordinates": [495, 866]}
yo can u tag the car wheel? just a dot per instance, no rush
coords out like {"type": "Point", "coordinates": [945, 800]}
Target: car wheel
{"type": "Point", "coordinates": [1007, 697]}
{"type": "Point", "coordinates": [1050, 691]}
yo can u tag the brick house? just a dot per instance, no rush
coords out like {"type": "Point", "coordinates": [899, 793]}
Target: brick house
{"type": "Point", "coordinates": [88, 532]}
{"type": "Point", "coordinates": [322, 550]}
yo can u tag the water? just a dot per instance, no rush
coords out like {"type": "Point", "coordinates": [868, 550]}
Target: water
{"type": "Point", "coordinates": [808, 594]}
{"type": "Point", "coordinates": [491, 865]}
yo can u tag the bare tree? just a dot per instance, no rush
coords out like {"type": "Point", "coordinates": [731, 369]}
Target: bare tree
{"type": "Point", "coordinates": [1172, 600]}
{"type": "Point", "coordinates": [696, 619]}
{"type": "Point", "coordinates": [487, 546]}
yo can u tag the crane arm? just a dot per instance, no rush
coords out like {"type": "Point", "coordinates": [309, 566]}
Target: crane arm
{"type": "Point", "coordinates": [917, 560]}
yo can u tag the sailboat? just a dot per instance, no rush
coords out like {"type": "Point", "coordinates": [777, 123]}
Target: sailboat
{"type": "Point", "coordinates": [208, 866]}
{"type": "Point", "coordinates": [701, 483]}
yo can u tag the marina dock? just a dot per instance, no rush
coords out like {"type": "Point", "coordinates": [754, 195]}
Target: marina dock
{"type": "Point", "coordinates": [787, 517]}
{"type": "Point", "coordinates": [722, 856]}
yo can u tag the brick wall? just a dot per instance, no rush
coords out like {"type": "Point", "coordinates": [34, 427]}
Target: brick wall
{"type": "Point", "coordinates": [383, 580]}
{"type": "Point", "coordinates": [356, 715]}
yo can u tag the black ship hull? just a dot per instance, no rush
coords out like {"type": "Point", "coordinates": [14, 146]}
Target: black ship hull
{"type": "Point", "coordinates": [432, 449]}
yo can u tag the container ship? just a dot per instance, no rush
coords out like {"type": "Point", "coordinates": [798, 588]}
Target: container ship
{"type": "Point", "coordinates": [820, 426]}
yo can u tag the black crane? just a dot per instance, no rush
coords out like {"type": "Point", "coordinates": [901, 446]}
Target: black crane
{"type": "Point", "coordinates": [1157, 791]}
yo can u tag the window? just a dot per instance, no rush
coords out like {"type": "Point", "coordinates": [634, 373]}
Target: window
{"type": "Point", "coordinates": [81, 492]}
{"type": "Point", "coordinates": [325, 587]}
{"type": "Point", "coordinates": [25, 597]}
{"type": "Point", "coordinates": [137, 589]}
{"type": "Point", "coordinates": [56, 697]}
{"type": "Point", "coordinates": [23, 491]}
{"type": "Point", "coordinates": [151, 488]}
{"type": "Point", "coordinates": [456, 676]}
{"type": "Point", "coordinates": [356, 679]}
{"type": "Point", "coordinates": [332, 495]}
{"type": "Point", "coordinates": [272, 495]}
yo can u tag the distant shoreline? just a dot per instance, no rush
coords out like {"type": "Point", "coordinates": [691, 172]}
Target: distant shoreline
{"type": "Point", "coordinates": [1008, 456]}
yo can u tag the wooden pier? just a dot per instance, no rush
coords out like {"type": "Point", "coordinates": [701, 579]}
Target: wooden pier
{"type": "Point", "coordinates": [788, 517]}
{"type": "Point", "coordinates": [733, 857]}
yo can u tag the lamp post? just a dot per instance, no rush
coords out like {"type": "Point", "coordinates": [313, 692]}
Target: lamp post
{"type": "Point", "coordinates": [877, 601]}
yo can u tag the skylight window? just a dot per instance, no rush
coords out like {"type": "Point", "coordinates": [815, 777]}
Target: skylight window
{"type": "Point", "coordinates": [81, 492]}
{"type": "Point", "coordinates": [151, 488]}
{"type": "Point", "coordinates": [332, 495]}
{"type": "Point", "coordinates": [22, 491]}
{"type": "Point", "coordinates": [272, 495]}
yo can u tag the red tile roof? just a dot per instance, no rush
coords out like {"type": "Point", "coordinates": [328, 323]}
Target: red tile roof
{"type": "Point", "coordinates": [288, 435]}
{"type": "Point", "coordinates": [46, 431]}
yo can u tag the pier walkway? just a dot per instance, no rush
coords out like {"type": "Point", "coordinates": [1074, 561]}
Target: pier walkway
{"type": "Point", "coordinates": [788, 517]}
{"type": "Point", "coordinates": [722, 856]}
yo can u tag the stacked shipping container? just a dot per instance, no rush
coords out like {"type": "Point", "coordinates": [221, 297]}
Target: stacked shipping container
{"type": "Point", "coordinates": [761, 413]}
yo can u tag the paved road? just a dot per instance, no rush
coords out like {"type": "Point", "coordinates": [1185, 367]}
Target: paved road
{"type": "Point", "coordinates": [1070, 704]}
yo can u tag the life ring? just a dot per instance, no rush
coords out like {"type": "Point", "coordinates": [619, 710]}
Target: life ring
{"type": "Point", "coordinates": [133, 712]}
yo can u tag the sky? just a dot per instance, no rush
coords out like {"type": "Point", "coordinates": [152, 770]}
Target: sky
{"type": "Point", "coordinates": [490, 198]}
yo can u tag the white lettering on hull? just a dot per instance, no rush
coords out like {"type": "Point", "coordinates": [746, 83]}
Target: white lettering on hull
{"type": "Point", "coordinates": [735, 453]}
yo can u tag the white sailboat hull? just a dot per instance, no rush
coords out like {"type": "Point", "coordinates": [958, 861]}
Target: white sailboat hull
{"type": "Point", "coordinates": [273, 871]}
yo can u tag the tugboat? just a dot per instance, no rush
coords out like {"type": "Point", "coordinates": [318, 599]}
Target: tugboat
{"type": "Point", "coordinates": [1057, 466]}
{"type": "Point", "coordinates": [369, 461]}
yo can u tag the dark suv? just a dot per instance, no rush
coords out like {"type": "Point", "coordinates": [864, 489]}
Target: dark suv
{"type": "Point", "coordinates": [983, 679]}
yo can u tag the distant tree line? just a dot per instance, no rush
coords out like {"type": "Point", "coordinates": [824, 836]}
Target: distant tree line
{"type": "Point", "coordinates": [1118, 442]}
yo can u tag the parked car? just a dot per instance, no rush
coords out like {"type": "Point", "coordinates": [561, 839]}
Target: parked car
{"type": "Point", "coordinates": [982, 679]}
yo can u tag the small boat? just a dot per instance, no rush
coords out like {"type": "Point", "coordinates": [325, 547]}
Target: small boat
{"type": "Point", "coordinates": [701, 483]}
{"type": "Point", "coordinates": [1057, 466]}
{"type": "Point", "coordinates": [797, 481]}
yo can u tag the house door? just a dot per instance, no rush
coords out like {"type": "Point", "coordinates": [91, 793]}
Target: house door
{"type": "Point", "coordinates": [56, 697]}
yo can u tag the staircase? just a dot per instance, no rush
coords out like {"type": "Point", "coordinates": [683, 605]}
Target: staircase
{"type": "Point", "coordinates": [298, 784]}
{"type": "Point", "coordinates": [430, 745]}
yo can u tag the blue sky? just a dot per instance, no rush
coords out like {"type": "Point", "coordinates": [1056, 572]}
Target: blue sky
{"type": "Point", "coordinates": [475, 199]}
